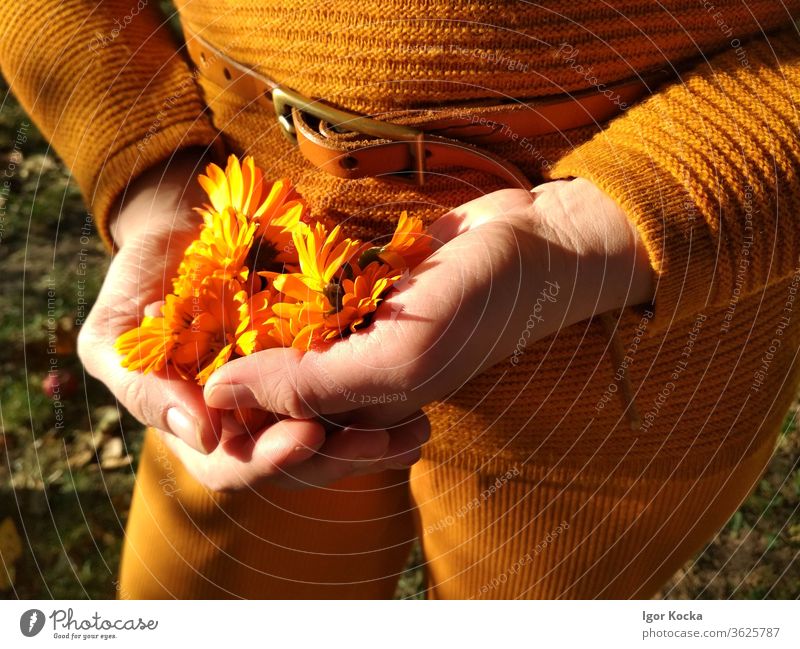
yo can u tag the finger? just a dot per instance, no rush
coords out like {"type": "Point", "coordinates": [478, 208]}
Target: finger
{"type": "Point", "coordinates": [475, 213]}
{"type": "Point", "coordinates": [154, 308]}
{"type": "Point", "coordinates": [405, 444]}
{"type": "Point", "coordinates": [162, 400]}
{"type": "Point", "coordinates": [245, 461]}
{"type": "Point", "coordinates": [136, 280]}
{"type": "Point", "coordinates": [247, 422]}
{"type": "Point", "coordinates": [344, 453]}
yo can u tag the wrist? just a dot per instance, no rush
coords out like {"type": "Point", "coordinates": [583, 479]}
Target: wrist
{"type": "Point", "coordinates": [594, 248]}
{"type": "Point", "coordinates": [170, 188]}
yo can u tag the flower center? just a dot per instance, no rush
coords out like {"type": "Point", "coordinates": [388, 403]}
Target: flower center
{"type": "Point", "coordinates": [334, 292]}
{"type": "Point", "coordinates": [261, 256]}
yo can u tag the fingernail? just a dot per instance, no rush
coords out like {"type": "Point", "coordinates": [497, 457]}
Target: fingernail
{"type": "Point", "coordinates": [231, 395]}
{"type": "Point", "coordinates": [184, 426]}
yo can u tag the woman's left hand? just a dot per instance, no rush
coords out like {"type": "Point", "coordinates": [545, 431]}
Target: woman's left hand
{"type": "Point", "coordinates": [511, 268]}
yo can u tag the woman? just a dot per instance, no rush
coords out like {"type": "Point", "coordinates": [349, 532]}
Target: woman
{"type": "Point", "coordinates": [603, 364]}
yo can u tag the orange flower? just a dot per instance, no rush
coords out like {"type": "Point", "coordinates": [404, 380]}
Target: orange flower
{"type": "Point", "coordinates": [195, 334]}
{"type": "Point", "coordinates": [272, 213]}
{"type": "Point", "coordinates": [221, 250]}
{"type": "Point", "coordinates": [260, 326]}
{"type": "Point", "coordinates": [321, 256]}
{"type": "Point", "coordinates": [300, 323]}
{"type": "Point", "coordinates": [211, 339]}
{"type": "Point", "coordinates": [150, 346]}
{"type": "Point", "coordinates": [409, 246]}
{"type": "Point", "coordinates": [145, 348]}
{"type": "Point", "coordinates": [344, 305]}
{"type": "Point", "coordinates": [277, 219]}
{"type": "Point", "coordinates": [358, 297]}
{"type": "Point", "coordinates": [330, 296]}
{"type": "Point", "coordinates": [259, 276]}
{"type": "Point", "coordinates": [239, 186]}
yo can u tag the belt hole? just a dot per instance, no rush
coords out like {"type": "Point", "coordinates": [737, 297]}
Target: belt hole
{"type": "Point", "coordinates": [203, 57]}
{"type": "Point", "coordinates": [428, 153]}
{"type": "Point", "coordinates": [349, 162]}
{"type": "Point", "coordinates": [227, 73]}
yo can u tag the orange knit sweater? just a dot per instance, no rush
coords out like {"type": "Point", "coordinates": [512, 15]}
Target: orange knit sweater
{"type": "Point", "coordinates": [707, 168]}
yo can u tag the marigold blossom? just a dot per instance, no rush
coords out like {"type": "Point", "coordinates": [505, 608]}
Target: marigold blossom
{"type": "Point", "coordinates": [260, 275]}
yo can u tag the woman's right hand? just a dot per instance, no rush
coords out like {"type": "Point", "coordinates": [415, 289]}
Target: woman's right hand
{"type": "Point", "coordinates": [154, 225]}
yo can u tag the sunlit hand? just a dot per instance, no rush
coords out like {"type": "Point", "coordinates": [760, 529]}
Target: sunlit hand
{"type": "Point", "coordinates": [154, 226]}
{"type": "Point", "coordinates": [512, 266]}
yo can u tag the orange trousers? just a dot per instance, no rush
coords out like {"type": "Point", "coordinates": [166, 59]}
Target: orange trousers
{"type": "Point", "coordinates": [539, 532]}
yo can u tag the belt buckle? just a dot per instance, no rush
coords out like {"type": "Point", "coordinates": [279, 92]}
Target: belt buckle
{"type": "Point", "coordinates": [284, 100]}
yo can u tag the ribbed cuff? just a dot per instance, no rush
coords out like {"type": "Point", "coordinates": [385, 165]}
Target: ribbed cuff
{"type": "Point", "coordinates": [131, 162]}
{"type": "Point", "coordinates": [660, 205]}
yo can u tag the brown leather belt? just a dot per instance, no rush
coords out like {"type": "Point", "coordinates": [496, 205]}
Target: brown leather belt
{"type": "Point", "coordinates": [414, 143]}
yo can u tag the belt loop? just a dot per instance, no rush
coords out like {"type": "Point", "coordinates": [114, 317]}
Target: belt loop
{"type": "Point", "coordinates": [419, 158]}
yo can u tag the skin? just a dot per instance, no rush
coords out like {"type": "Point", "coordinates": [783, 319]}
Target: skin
{"type": "Point", "coordinates": [152, 227]}
{"type": "Point", "coordinates": [460, 312]}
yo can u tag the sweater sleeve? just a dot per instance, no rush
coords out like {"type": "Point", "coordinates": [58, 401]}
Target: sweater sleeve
{"type": "Point", "coordinates": [103, 81]}
{"type": "Point", "coordinates": [707, 170]}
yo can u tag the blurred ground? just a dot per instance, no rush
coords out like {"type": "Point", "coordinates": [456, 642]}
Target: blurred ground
{"type": "Point", "coordinates": [67, 459]}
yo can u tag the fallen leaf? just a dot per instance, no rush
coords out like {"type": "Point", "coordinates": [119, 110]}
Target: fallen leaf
{"type": "Point", "coordinates": [80, 459]}
{"type": "Point", "coordinates": [113, 455]}
{"type": "Point", "coordinates": [107, 420]}
{"type": "Point", "coordinates": [116, 463]}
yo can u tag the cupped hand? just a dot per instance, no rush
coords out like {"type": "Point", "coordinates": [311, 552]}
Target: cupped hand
{"type": "Point", "coordinates": [512, 267]}
{"type": "Point", "coordinates": [152, 229]}
{"type": "Point", "coordinates": [299, 454]}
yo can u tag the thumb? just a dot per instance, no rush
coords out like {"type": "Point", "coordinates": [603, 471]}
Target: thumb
{"type": "Point", "coordinates": [157, 399]}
